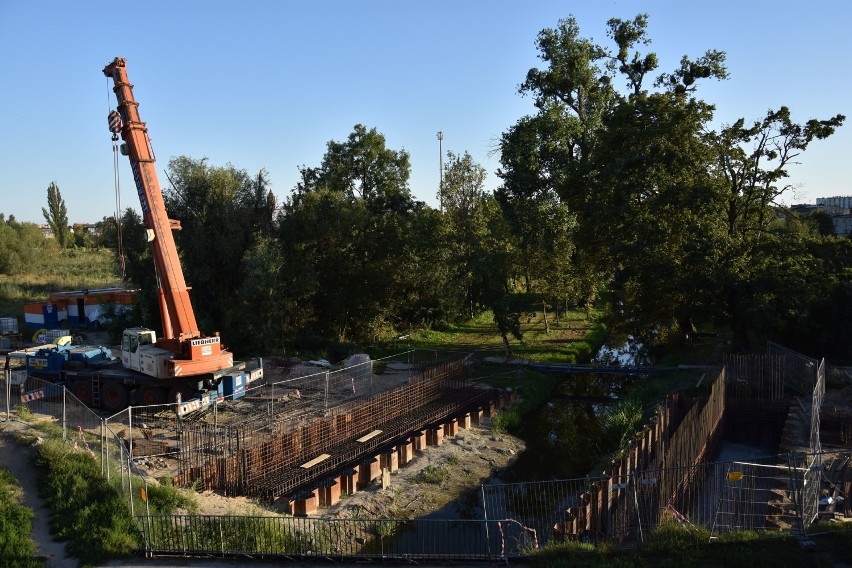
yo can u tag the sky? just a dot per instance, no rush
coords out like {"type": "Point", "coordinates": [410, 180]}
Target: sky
{"type": "Point", "coordinates": [267, 84]}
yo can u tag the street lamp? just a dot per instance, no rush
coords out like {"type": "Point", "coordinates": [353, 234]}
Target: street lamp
{"type": "Point", "coordinates": [441, 169]}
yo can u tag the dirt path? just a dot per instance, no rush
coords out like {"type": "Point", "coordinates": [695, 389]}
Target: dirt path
{"type": "Point", "coordinates": [18, 459]}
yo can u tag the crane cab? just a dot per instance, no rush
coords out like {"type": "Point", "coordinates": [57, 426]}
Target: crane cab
{"type": "Point", "coordinates": [139, 352]}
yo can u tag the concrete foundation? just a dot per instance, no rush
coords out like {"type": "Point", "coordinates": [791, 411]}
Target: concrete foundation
{"type": "Point", "coordinates": [305, 504]}
{"type": "Point", "coordinates": [389, 460]}
{"type": "Point", "coordinates": [405, 453]}
{"type": "Point", "coordinates": [329, 493]}
{"type": "Point", "coordinates": [368, 470]}
{"type": "Point", "coordinates": [435, 436]}
{"type": "Point", "coordinates": [465, 421]}
{"type": "Point", "coordinates": [349, 481]}
{"type": "Point", "coordinates": [418, 441]}
{"type": "Point", "coordinates": [451, 428]}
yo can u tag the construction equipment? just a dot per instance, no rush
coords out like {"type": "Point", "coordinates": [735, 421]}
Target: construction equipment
{"type": "Point", "coordinates": [182, 365]}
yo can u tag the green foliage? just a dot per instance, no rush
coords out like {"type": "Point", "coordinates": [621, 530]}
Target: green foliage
{"type": "Point", "coordinates": [165, 499]}
{"type": "Point", "coordinates": [223, 213]}
{"type": "Point", "coordinates": [24, 249]}
{"type": "Point", "coordinates": [16, 545]}
{"type": "Point", "coordinates": [621, 421]}
{"type": "Point", "coordinates": [433, 475]}
{"type": "Point", "coordinates": [508, 420]}
{"type": "Point", "coordinates": [87, 511]}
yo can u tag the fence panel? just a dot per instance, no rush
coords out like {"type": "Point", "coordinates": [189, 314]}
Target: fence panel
{"type": "Point", "coordinates": [279, 537]}
{"type": "Point", "coordinates": [760, 495]}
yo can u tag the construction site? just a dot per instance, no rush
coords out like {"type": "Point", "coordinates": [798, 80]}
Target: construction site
{"type": "Point", "coordinates": [752, 447]}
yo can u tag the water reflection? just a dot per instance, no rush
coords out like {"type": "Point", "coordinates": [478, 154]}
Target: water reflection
{"type": "Point", "coordinates": [630, 353]}
{"type": "Point", "coordinates": [565, 438]}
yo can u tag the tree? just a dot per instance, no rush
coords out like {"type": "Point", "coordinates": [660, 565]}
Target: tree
{"type": "Point", "coordinates": [751, 166]}
{"type": "Point", "coordinates": [56, 215]}
{"type": "Point", "coordinates": [23, 247]}
{"type": "Point", "coordinates": [223, 212]}
{"type": "Point", "coordinates": [355, 211]}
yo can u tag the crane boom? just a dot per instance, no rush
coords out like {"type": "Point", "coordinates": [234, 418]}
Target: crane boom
{"type": "Point", "coordinates": [194, 353]}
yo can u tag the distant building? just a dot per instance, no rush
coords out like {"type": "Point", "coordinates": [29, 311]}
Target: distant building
{"type": "Point", "coordinates": [842, 225]}
{"type": "Point", "coordinates": [842, 205]}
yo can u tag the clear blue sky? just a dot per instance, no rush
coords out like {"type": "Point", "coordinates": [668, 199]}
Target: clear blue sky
{"type": "Point", "coordinates": [267, 84]}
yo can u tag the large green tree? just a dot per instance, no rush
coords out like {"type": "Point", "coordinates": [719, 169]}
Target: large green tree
{"type": "Point", "coordinates": [223, 212]}
{"type": "Point", "coordinates": [346, 228]}
{"type": "Point", "coordinates": [56, 216]}
{"type": "Point", "coordinates": [752, 168]}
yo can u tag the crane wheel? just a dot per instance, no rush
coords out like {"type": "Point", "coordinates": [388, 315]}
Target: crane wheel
{"type": "Point", "coordinates": [151, 395]}
{"type": "Point", "coordinates": [113, 396]}
{"type": "Point", "coordinates": [82, 389]}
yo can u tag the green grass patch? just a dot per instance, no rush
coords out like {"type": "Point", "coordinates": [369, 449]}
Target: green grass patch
{"type": "Point", "coordinates": [164, 498]}
{"type": "Point", "coordinates": [69, 269]}
{"type": "Point", "coordinates": [16, 546]}
{"type": "Point", "coordinates": [432, 474]}
{"type": "Point", "coordinates": [88, 512]}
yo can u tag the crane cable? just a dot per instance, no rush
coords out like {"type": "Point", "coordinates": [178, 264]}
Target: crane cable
{"type": "Point", "coordinates": [115, 127]}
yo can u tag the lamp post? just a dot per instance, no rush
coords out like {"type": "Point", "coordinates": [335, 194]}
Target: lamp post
{"type": "Point", "coordinates": [441, 169]}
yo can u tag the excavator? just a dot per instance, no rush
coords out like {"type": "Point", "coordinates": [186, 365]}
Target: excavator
{"type": "Point", "coordinates": [182, 365]}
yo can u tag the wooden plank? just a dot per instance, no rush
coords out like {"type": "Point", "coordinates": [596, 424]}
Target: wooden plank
{"type": "Point", "coordinates": [315, 461]}
{"type": "Point", "coordinates": [369, 436]}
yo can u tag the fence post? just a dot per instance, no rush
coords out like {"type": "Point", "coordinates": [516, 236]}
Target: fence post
{"type": "Point", "coordinates": [326, 390]}
{"type": "Point", "coordinates": [485, 516]}
{"type": "Point", "coordinates": [104, 450]}
{"type": "Point", "coordinates": [636, 504]}
{"type": "Point", "coordinates": [64, 421]}
{"type": "Point", "coordinates": [8, 375]}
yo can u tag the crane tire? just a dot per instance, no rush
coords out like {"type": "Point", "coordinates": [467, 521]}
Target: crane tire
{"type": "Point", "coordinates": [113, 396]}
{"type": "Point", "coordinates": [151, 395]}
{"type": "Point", "coordinates": [82, 389]}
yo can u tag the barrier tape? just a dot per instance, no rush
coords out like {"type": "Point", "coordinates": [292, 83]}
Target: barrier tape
{"type": "Point", "coordinates": [76, 447]}
{"type": "Point", "coordinates": [681, 518]}
{"type": "Point", "coordinates": [503, 536]}
{"type": "Point", "coordinates": [31, 396]}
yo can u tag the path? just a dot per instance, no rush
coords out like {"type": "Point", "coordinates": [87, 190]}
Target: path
{"type": "Point", "coordinates": [19, 460]}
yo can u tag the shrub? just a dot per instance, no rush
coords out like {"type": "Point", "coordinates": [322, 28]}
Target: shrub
{"type": "Point", "coordinates": [432, 474]}
{"type": "Point", "coordinates": [505, 421]}
{"type": "Point", "coordinates": [16, 546]}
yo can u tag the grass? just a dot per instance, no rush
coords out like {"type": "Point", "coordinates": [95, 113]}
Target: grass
{"type": "Point", "coordinates": [71, 269]}
{"type": "Point", "coordinates": [574, 338]}
{"type": "Point", "coordinates": [16, 546]}
{"type": "Point", "coordinates": [88, 512]}
{"type": "Point", "coordinates": [671, 545]}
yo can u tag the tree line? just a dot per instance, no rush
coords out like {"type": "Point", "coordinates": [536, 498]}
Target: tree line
{"type": "Point", "coordinates": [618, 181]}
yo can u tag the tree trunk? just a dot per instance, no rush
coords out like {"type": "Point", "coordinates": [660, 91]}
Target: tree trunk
{"type": "Point", "coordinates": [506, 345]}
{"type": "Point", "coordinates": [544, 310]}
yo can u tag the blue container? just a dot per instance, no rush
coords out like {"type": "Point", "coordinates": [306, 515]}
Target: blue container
{"type": "Point", "coordinates": [234, 385]}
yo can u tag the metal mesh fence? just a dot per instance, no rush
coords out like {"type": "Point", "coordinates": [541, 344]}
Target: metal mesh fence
{"type": "Point", "coordinates": [291, 537]}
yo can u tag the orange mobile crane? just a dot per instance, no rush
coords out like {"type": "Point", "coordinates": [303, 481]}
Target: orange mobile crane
{"type": "Point", "coordinates": [189, 352]}
{"type": "Point", "coordinates": [183, 363]}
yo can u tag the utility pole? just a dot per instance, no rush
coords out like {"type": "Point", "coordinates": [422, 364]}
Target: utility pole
{"type": "Point", "coordinates": [441, 169]}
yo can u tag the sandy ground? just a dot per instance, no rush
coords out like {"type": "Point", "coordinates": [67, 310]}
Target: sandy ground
{"type": "Point", "coordinates": [19, 460]}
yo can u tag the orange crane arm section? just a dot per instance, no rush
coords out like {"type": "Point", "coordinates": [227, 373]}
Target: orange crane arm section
{"type": "Point", "coordinates": [176, 310]}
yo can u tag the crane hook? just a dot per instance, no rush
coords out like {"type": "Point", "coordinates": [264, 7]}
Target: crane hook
{"type": "Point", "coordinates": [114, 124]}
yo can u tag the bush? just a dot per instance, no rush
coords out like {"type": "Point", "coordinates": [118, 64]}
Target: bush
{"type": "Point", "coordinates": [433, 474]}
{"type": "Point", "coordinates": [87, 512]}
{"type": "Point", "coordinates": [16, 546]}
{"type": "Point", "coordinates": [164, 498]}
{"type": "Point", "coordinates": [505, 421]}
